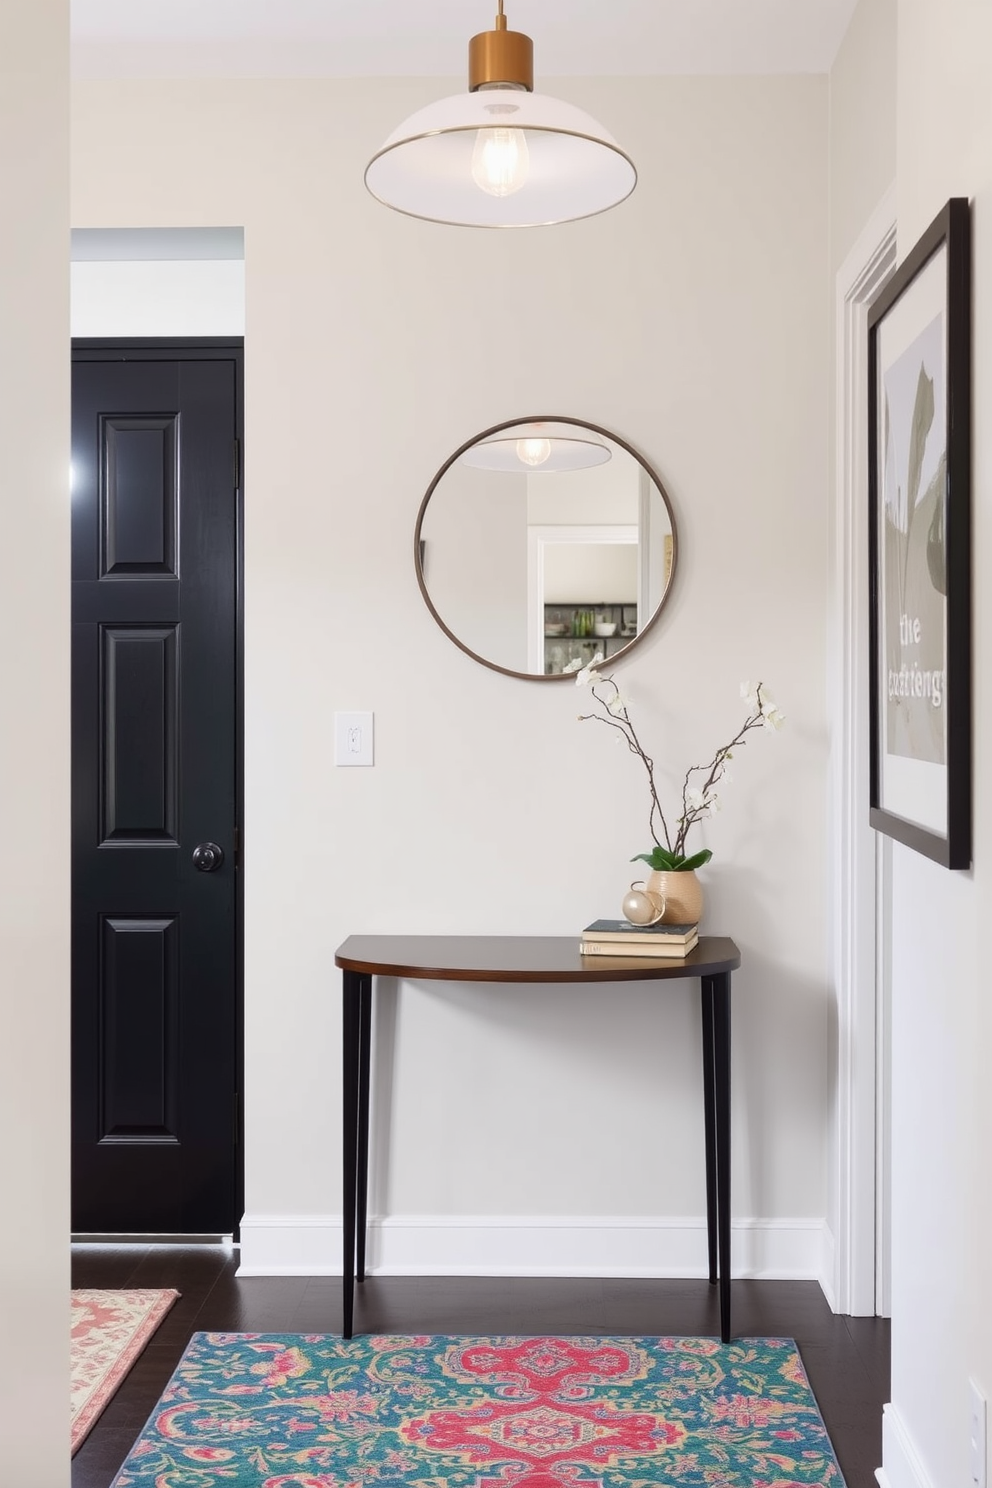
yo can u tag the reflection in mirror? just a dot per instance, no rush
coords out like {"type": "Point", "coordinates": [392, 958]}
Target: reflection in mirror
{"type": "Point", "coordinates": [542, 542]}
{"type": "Point", "coordinates": [538, 448]}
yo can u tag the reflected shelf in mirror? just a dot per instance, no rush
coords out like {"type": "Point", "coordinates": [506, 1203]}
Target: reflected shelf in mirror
{"type": "Point", "coordinates": [579, 632]}
{"type": "Point", "coordinates": [544, 517]}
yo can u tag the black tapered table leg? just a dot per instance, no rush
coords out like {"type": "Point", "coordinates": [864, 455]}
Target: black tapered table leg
{"type": "Point", "coordinates": [721, 1072]}
{"type": "Point", "coordinates": [364, 1055]}
{"type": "Point", "coordinates": [351, 1017]}
{"type": "Point", "coordinates": [709, 1119]}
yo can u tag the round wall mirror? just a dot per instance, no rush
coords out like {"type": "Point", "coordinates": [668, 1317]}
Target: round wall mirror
{"type": "Point", "coordinates": [543, 541]}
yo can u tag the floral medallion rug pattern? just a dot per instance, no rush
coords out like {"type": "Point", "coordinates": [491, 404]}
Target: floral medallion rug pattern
{"type": "Point", "coordinates": [314, 1411]}
{"type": "Point", "coordinates": [108, 1332]}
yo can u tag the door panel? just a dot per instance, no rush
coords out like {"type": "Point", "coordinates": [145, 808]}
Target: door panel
{"type": "Point", "coordinates": [139, 1016]}
{"type": "Point", "coordinates": [141, 498]}
{"type": "Point", "coordinates": [156, 999]}
{"type": "Point", "coordinates": [139, 733]}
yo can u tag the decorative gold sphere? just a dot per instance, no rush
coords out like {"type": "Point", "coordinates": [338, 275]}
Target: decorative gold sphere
{"type": "Point", "coordinates": [642, 908]}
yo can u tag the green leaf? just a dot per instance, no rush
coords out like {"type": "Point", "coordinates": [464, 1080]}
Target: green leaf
{"type": "Point", "coordinates": [658, 859]}
{"type": "Point", "coordinates": [666, 862]}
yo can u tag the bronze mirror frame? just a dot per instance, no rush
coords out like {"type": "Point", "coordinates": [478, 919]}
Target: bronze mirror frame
{"type": "Point", "coordinates": [489, 433]}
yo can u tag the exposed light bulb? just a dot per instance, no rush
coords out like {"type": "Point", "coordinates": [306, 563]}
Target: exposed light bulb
{"type": "Point", "coordinates": [500, 161]}
{"type": "Point", "coordinates": [533, 451]}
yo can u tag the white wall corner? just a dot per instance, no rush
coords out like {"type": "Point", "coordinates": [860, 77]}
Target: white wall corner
{"type": "Point", "coordinates": [828, 1267]}
{"type": "Point", "coordinates": [902, 1466]}
{"type": "Point", "coordinates": [491, 1245]}
{"type": "Point", "coordinates": [852, 1207]}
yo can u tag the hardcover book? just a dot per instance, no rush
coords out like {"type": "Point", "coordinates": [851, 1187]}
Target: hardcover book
{"type": "Point", "coordinates": [625, 930]}
{"type": "Point", "coordinates": [656, 950]}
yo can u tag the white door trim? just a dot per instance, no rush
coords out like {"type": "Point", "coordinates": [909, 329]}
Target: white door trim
{"type": "Point", "coordinates": [538, 540]}
{"type": "Point", "coordinates": [854, 879]}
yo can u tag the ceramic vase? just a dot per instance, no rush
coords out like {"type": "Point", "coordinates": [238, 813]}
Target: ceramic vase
{"type": "Point", "coordinates": [683, 895]}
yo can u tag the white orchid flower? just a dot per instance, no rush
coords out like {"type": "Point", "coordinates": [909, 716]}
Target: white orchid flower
{"type": "Point", "coordinates": [573, 665]}
{"type": "Point", "coordinates": [749, 692]}
{"type": "Point", "coordinates": [702, 802]}
{"type": "Point", "coordinates": [773, 718]}
{"type": "Point", "coordinates": [617, 705]}
{"type": "Point", "coordinates": [588, 674]}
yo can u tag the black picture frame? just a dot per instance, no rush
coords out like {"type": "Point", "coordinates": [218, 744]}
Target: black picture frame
{"type": "Point", "coordinates": [919, 515]}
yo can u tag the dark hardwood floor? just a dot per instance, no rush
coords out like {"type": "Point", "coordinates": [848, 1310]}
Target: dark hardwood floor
{"type": "Point", "coordinates": [847, 1359]}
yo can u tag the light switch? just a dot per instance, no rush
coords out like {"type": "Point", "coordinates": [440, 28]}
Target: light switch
{"type": "Point", "coordinates": [353, 739]}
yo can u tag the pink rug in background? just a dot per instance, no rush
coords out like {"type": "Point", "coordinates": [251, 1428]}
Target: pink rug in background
{"type": "Point", "coordinates": [109, 1330]}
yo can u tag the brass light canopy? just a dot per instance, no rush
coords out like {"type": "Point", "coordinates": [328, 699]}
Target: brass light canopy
{"type": "Point", "coordinates": [501, 58]}
{"type": "Point", "coordinates": [500, 155]}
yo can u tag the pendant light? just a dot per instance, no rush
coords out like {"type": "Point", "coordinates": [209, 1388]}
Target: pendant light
{"type": "Point", "coordinates": [500, 155]}
{"type": "Point", "coordinates": [536, 450]}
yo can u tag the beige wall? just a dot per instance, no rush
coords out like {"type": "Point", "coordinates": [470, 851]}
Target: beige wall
{"type": "Point", "coordinates": [475, 560]}
{"type": "Point", "coordinates": [938, 61]}
{"type": "Point", "coordinates": [694, 321]}
{"type": "Point", "coordinates": [34, 744]}
{"type": "Point", "coordinates": [862, 122]}
{"type": "Point", "coordinates": [942, 1024]}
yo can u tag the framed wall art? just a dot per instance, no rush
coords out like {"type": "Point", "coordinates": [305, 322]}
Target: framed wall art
{"type": "Point", "coordinates": [919, 499]}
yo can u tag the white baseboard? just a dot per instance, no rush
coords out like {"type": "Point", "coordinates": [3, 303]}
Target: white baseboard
{"type": "Point", "coordinates": [901, 1465]}
{"type": "Point", "coordinates": [493, 1245]}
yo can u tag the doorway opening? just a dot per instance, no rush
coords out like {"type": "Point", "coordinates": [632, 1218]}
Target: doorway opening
{"type": "Point", "coordinates": [157, 493]}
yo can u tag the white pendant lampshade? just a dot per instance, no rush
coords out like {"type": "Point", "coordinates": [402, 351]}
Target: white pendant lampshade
{"type": "Point", "coordinates": [500, 155]}
{"type": "Point", "coordinates": [535, 450]}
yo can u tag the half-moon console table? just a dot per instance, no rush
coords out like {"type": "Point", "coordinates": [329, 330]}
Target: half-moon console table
{"type": "Point", "coordinates": [507, 958]}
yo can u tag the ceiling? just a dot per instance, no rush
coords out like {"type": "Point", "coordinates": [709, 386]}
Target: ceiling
{"type": "Point", "coordinates": [364, 38]}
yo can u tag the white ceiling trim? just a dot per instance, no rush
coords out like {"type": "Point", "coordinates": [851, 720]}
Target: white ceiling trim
{"type": "Point", "coordinates": [394, 38]}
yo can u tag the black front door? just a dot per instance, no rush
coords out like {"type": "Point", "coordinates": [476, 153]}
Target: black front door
{"type": "Point", "coordinates": [155, 787]}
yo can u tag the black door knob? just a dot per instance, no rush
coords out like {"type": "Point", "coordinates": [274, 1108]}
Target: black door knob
{"type": "Point", "coordinates": [208, 857]}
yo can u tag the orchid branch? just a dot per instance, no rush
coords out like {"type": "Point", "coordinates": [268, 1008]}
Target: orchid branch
{"type": "Point", "coordinates": [619, 718]}
{"type": "Point", "coordinates": [697, 802]}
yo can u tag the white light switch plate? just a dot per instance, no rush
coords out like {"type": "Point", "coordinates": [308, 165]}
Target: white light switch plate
{"type": "Point", "coordinates": [353, 739]}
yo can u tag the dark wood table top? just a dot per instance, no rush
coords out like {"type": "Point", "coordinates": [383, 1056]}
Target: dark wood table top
{"type": "Point", "coordinates": [522, 958]}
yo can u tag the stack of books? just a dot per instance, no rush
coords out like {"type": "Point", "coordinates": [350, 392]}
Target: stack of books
{"type": "Point", "coordinates": [621, 938]}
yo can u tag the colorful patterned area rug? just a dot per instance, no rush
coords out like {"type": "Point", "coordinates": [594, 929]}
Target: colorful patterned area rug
{"type": "Point", "coordinates": [260, 1410]}
{"type": "Point", "coordinates": [109, 1330]}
